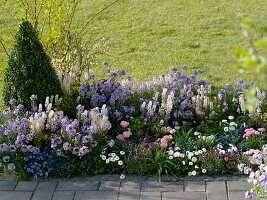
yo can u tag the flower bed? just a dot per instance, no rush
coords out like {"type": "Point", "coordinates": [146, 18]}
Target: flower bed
{"type": "Point", "coordinates": [175, 124]}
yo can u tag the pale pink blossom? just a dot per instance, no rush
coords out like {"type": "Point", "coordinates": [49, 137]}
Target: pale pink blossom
{"type": "Point", "coordinates": [120, 137]}
{"type": "Point", "coordinates": [127, 134]}
{"type": "Point", "coordinates": [164, 144]}
{"type": "Point", "coordinates": [124, 124]}
{"type": "Point", "coordinates": [167, 138]}
{"type": "Point", "coordinates": [197, 133]}
{"type": "Point", "coordinates": [261, 129]}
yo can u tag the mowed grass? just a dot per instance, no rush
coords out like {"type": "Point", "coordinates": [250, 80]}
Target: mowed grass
{"type": "Point", "coordinates": [149, 37]}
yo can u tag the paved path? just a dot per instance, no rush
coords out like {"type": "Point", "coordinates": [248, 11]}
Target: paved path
{"type": "Point", "coordinates": [109, 187]}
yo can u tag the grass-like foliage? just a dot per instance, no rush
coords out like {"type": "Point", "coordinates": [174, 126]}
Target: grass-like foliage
{"type": "Point", "coordinates": [29, 69]}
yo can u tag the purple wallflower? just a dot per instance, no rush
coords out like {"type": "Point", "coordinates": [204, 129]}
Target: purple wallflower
{"type": "Point", "coordinates": [20, 106]}
{"type": "Point", "coordinates": [111, 143]}
{"type": "Point", "coordinates": [11, 167]}
{"type": "Point", "coordinates": [12, 148]}
{"type": "Point", "coordinates": [80, 108]}
{"type": "Point", "coordinates": [12, 101]}
{"type": "Point", "coordinates": [33, 97]}
{"type": "Point", "coordinates": [6, 112]}
{"type": "Point", "coordinates": [201, 82]}
{"type": "Point", "coordinates": [3, 147]}
{"type": "Point", "coordinates": [83, 150]}
{"type": "Point", "coordinates": [6, 159]}
{"type": "Point", "coordinates": [228, 86]}
{"type": "Point", "coordinates": [105, 63]}
{"type": "Point", "coordinates": [66, 146]}
{"type": "Point", "coordinates": [184, 68]}
{"type": "Point", "coordinates": [93, 129]}
{"type": "Point", "coordinates": [174, 70]}
{"type": "Point", "coordinates": [76, 150]}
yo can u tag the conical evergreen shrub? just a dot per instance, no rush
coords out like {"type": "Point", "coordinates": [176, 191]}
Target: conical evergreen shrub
{"type": "Point", "coordinates": [29, 69]}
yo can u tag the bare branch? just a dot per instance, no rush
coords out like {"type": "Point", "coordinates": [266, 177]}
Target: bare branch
{"type": "Point", "coordinates": [2, 44]}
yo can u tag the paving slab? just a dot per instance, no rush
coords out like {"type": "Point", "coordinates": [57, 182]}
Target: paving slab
{"type": "Point", "coordinates": [130, 186]}
{"type": "Point", "coordinates": [238, 186]}
{"type": "Point", "coordinates": [96, 195]}
{"type": "Point", "coordinates": [63, 195]}
{"type": "Point", "coordinates": [42, 195]}
{"type": "Point", "coordinates": [184, 196]}
{"type": "Point", "coordinates": [7, 185]}
{"type": "Point", "coordinates": [110, 185]}
{"type": "Point", "coordinates": [46, 186]}
{"type": "Point", "coordinates": [195, 186]}
{"type": "Point", "coordinates": [26, 185]}
{"type": "Point", "coordinates": [150, 196]}
{"type": "Point", "coordinates": [77, 185]}
{"type": "Point", "coordinates": [130, 195]}
{"type": "Point", "coordinates": [15, 195]}
{"type": "Point", "coordinates": [216, 190]}
{"type": "Point", "coordinates": [237, 195]}
{"type": "Point", "coordinates": [162, 186]}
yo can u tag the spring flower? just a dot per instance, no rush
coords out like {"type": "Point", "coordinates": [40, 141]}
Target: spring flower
{"type": "Point", "coordinates": [66, 146]}
{"type": "Point", "coordinates": [11, 167]}
{"type": "Point", "coordinates": [190, 163]}
{"type": "Point", "coordinates": [122, 152]}
{"type": "Point", "coordinates": [194, 173]}
{"type": "Point", "coordinates": [194, 159]}
{"type": "Point", "coordinates": [230, 117]}
{"type": "Point", "coordinates": [204, 171]}
{"type": "Point", "coordinates": [111, 143]}
{"type": "Point", "coordinates": [122, 176]}
{"type": "Point", "coordinates": [120, 162]}
{"type": "Point", "coordinates": [167, 138]}
{"type": "Point", "coordinates": [170, 157]}
{"type": "Point", "coordinates": [261, 129]}
{"type": "Point", "coordinates": [183, 162]}
{"type": "Point", "coordinates": [124, 124]}
{"type": "Point", "coordinates": [120, 137]}
{"type": "Point", "coordinates": [249, 194]}
{"type": "Point", "coordinates": [103, 157]}
{"type": "Point", "coordinates": [127, 134]}
{"type": "Point", "coordinates": [197, 133]}
{"type": "Point", "coordinates": [33, 97]}
{"type": "Point", "coordinates": [6, 159]}
{"type": "Point", "coordinates": [164, 143]}
{"type": "Point", "coordinates": [226, 129]}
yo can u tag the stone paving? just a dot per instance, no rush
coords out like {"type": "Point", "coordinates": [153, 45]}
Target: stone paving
{"type": "Point", "coordinates": [109, 187]}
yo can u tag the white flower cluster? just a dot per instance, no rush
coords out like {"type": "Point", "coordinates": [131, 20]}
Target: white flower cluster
{"type": "Point", "coordinates": [42, 120]}
{"type": "Point", "coordinates": [112, 157]}
{"type": "Point", "coordinates": [202, 103]}
{"type": "Point", "coordinates": [98, 117]}
{"type": "Point", "coordinates": [189, 158]}
{"type": "Point", "coordinates": [167, 101]}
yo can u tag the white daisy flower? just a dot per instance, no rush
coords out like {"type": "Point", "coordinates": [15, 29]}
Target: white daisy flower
{"type": "Point", "coordinates": [122, 176]}
{"type": "Point", "coordinates": [122, 152]}
{"type": "Point", "coordinates": [204, 171]}
{"type": "Point", "coordinates": [120, 162]}
{"type": "Point", "coordinates": [194, 173]}
{"type": "Point", "coordinates": [231, 117]}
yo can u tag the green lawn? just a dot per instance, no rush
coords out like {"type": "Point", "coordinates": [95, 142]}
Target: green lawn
{"type": "Point", "coordinates": [148, 37]}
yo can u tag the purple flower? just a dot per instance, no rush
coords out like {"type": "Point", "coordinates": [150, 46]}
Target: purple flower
{"type": "Point", "coordinates": [3, 147]}
{"type": "Point", "coordinates": [76, 150]}
{"type": "Point", "coordinates": [12, 148]}
{"type": "Point", "coordinates": [93, 129]}
{"type": "Point", "coordinates": [174, 70]}
{"type": "Point", "coordinates": [184, 68]}
{"type": "Point", "coordinates": [87, 139]}
{"type": "Point", "coordinates": [83, 150]}
{"type": "Point", "coordinates": [105, 63]}
{"type": "Point", "coordinates": [121, 72]}
{"type": "Point", "coordinates": [33, 97]}
{"type": "Point", "coordinates": [249, 194]}
{"type": "Point", "coordinates": [20, 106]}
{"type": "Point", "coordinates": [11, 167]}
{"type": "Point", "coordinates": [80, 108]}
{"type": "Point", "coordinates": [209, 76]}
{"type": "Point", "coordinates": [228, 86]}
{"type": "Point", "coordinates": [6, 159]}
{"type": "Point", "coordinates": [201, 82]}
{"type": "Point", "coordinates": [6, 112]}
{"type": "Point", "coordinates": [107, 70]}
{"type": "Point", "coordinates": [111, 143]}
{"type": "Point", "coordinates": [12, 101]}
{"type": "Point", "coordinates": [66, 146]}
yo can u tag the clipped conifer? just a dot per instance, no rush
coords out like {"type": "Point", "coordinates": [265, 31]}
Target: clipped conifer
{"type": "Point", "coordinates": [29, 69]}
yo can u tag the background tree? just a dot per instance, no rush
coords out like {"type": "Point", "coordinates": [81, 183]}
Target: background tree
{"type": "Point", "coordinates": [29, 69]}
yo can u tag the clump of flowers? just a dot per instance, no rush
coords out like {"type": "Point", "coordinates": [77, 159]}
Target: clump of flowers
{"type": "Point", "coordinates": [255, 138]}
{"type": "Point", "coordinates": [257, 173]}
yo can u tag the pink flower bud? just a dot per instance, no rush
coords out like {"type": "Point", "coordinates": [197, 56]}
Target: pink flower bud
{"type": "Point", "coordinates": [127, 134]}
{"type": "Point", "coordinates": [124, 124]}
{"type": "Point", "coordinates": [120, 137]}
{"type": "Point", "coordinates": [167, 138]}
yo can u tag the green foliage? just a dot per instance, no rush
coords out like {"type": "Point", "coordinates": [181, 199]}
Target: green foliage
{"type": "Point", "coordinates": [29, 69]}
